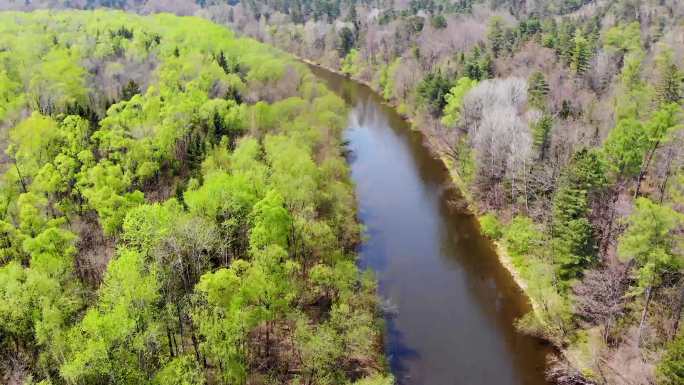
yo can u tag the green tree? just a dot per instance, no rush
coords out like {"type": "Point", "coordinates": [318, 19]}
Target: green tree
{"type": "Point", "coordinates": [623, 38]}
{"type": "Point", "coordinates": [111, 342]}
{"type": "Point", "coordinates": [658, 130]}
{"type": "Point", "coordinates": [581, 54]}
{"type": "Point", "coordinates": [496, 36]}
{"type": "Point", "coordinates": [669, 86]}
{"type": "Point", "coordinates": [271, 222]}
{"type": "Point", "coordinates": [625, 146]}
{"type": "Point", "coordinates": [671, 367]}
{"type": "Point", "coordinates": [347, 41]}
{"type": "Point", "coordinates": [180, 371]}
{"type": "Point", "coordinates": [573, 238]}
{"type": "Point", "coordinates": [432, 91]}
{"type": "Point", "coordinates": [650, 240]}
{"type": "Point", "coordinates": [541, 130]}
{"type": "Point", "coordinates": [438, 21]}
{"type": "Point", "coordinates": [537, 90]}
{"type": "Point", "coordinates": [454, 100]}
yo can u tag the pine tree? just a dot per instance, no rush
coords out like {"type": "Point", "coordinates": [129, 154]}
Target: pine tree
{"type": "Point", "coordinates": [669, 87]}
{"type": "Point", "coordinates": [581, 54]}
{"type": "Point", "coordinates": [540, 134]}
{"type": "Point", "coordinates": [131, 89]}
{"type": "Point", "coordinates": [573, 242]}
{"type": "Point", "coordinates": [222, 62]}
{"type": "Point", "coordinates": [496, 36]}
{"type": "Point", "coordinates": [537, 90]}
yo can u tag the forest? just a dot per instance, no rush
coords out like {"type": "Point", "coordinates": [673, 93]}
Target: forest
{"type": "Point", "coordinates": [175, 208]}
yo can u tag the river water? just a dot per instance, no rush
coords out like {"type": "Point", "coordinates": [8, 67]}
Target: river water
{"type": "Point", "coordinates": [455, 304]}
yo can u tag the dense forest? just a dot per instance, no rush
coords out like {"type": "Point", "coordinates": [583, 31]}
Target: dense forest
{"type": "Point", "coordinates": [175, 209]}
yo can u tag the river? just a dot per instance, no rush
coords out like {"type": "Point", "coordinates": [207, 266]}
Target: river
{"type": "Point", "coordinates": [455, 304]}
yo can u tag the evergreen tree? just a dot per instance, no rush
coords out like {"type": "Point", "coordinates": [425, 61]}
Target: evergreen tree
{"type": "Point", "coordinates": [540, 134]}
{"type": "Point", "coordinates": [669, 86]}
{"type": "Point", "coordinates": [432, 91]}
{"type": "Point", "coordinates": [537, 90]}
{"type": "Point", "coordinates": [496, 35]}
{"type": "Point", "coordinates": [581, 53]}
{"type": "Point", "coordinates": [347, 41]}
{"type": "Point", "coordinates": [573, 240]}
{"type": "Point", "coordinates": [130, 90]}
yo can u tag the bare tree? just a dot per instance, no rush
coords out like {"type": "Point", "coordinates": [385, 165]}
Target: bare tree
{"type": "Point", "coordinates": [600, 296]}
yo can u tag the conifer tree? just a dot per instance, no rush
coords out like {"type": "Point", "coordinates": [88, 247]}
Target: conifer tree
{"type": "Point", "coordinates": [669, 86]}
{"type": "Point", "coordinates": [496, 36]}
{"type": "Point", "coordinates": [581, 53]}
{"type": "Point", "coordinates": [537, 90]}
{"type": "Point", "coordinates": [573, 242]}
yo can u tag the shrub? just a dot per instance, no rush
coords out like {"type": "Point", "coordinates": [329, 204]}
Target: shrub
{"type": "Point", "coordinates": [490, 226]}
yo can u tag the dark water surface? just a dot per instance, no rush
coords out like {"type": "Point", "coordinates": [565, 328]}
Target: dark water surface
{"type": "Point", "coordinates": [455, 303]}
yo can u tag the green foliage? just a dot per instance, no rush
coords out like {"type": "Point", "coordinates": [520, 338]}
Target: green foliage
{"type": "Point", "coordinates": [271, 222]}
{"type": "Point", "coordinates": [495, 35]}
{"type": "Point", "coordinates": [669, 87]}
{"type": "Point", "coordinates": [438, 22]}
{"type": "Point", "coordinates": [671, 367]}
{"type": "Point", "coordinates": [521, 237]}
{"type": "Point", "coordinates": [581, 54]}
{"type": "Point", "coordinates": [650, 240]}
{"type": "Point", "coordinates": [387, 82]}
{"type": "Point", "coordinates": [625, 146]}
{"type": "Point", "coordinates": [465, 161]}
{"type": "Point", "coordinates": [203, 287]}
{"type": "Point", "coordinates": [490, 226]}
{"type": "Point", "coordinates": [541, 130]}
{"type": "Point", "coordinates": [537, 90]}
{"type": "Point", "coordinates": [180, 371]}
{"type": "Point", "coordinates": [112, 336]}
{"type": "Point", "coordinates": [623, 38]}
{"type": "Point", "coordinates": [349, 64]}
{"type": "Point", "coordinates": [478, 64]}
{"type": "Point", "coordinates": [454, 100]}
{"type": "Point", "coordinates": [58, 82]}
{"type": "Point", "coordinates": [432, 91]}
{"type": "Point", "coordinates": [573, 238]}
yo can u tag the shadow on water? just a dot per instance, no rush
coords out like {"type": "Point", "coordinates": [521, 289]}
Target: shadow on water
{"type": "Point", "coordinates": [399, 352]}
{"type": "Point", "coordinates": [455, 304]}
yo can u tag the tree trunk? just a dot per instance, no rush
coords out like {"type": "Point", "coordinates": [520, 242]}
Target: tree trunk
{"type": "Point", "coordinates": [668, 169]}
{"type": "Point", "coordinates": [195, 345]}
{"type": "Point", "coordinates": [609, 230]}
{"type": "Point", "coordinates": [678, 312]}
{"type": "Point", "coordinates": [180, 327]}
{"type": "Point", "coordinates": [21, 178]}
{"type": "Point", "coordinates": [644, 167]}
{"type": "Point", "coordinates": [168, 336]}
{"type": "Point", "coordinates": [649, 290]}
